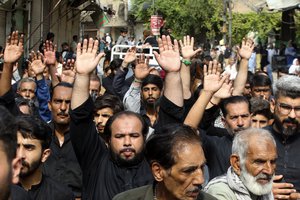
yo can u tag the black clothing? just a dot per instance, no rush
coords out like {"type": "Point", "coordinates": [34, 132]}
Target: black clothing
{"type": "Point", "coordinates": [103, 178]}
{"type": "Point", "coordinates": [217, 152]}
{"type": "Point", "coordinates": [288, 161]}
{"type": "Point", "coordinates": [62, 164]}
{"type": "Point", "coordinates": [107, 83]}
{"type": "Point", "coordinates": [18, 193]}
{"type": "Point", "coordinates": [120, 83]}
{"type": "Point", "coordinates": [151, 40]}
{"type": "Point", "coordinates": [48, 189]}
{"type": "Point", "coordinates": [8, 101]}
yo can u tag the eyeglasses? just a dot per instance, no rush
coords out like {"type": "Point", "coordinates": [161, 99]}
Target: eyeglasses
{"type": "Point", "coordinates": [286, 109]}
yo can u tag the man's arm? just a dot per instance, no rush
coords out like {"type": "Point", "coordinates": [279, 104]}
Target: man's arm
{"type": "Point", "coordinates": [13, 52]}
{"type": "Point", "coordinates": [245, 53]}
{"type": "Point", "coordinates": [169, 60]}
{"type": "Point", "coordinates": [87, 60]}
{"type": "Point", "coordinates": [212, 83]}
{"type": "Point", "coordinates": [187, 51]}
{"type": "Point", "coordinates": [42, 90]}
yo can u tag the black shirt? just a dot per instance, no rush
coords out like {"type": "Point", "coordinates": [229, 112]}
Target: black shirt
{"type": "Point", "coordinates": [102, 177]}
{"type": "Point", "coordinates": [48, 189]}
{"type": "Point", "coordinates": [288, 162]}
{"type": "Point", "coordinates": [62, 164]}
{"type": "Point", "coordinates": [18, 193]}
{"type": "Point", "coordinates": [217, 152]}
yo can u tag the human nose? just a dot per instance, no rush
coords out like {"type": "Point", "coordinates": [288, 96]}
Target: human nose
{"type": "Point", "coordinates": [240, 122]}
{"type": "Point", "coordinates": [63, 106]}
{"type": "Point", "coordinates": [292, 114]}
{"type": "Point", "coordinates": [27, 93]}
{"type": "Point", "coordinates": [268, 168]}
{"type": "Point", "coordinates": [127, 141]}
{"type": "Point", "coordinates": [198, 179]}
{"type": "Point", "coordinates": [100, 119]}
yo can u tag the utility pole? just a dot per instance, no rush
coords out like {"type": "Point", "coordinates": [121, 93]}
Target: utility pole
{"type": "Point", "coordinates": [230, 22]}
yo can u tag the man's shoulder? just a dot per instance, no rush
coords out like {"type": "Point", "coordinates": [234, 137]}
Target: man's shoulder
{"type": "Point", "coordinates": [221, 190]}
{"type": "Point", "coordinates": [205, 196]}
{"type": "Point", "coordinates": [140, 193]}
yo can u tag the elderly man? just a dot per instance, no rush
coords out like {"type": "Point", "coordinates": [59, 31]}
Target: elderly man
{"type": "Point", "coordinates": [252, 169]}
{"type": "Point", "coordinates": [178, 174]}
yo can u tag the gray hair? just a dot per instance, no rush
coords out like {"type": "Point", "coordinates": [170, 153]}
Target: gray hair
{"type": "Point", "coordinates": [26, 80]}
{"type": "Point", "coordinates": [288, 86]}
{"type": "Point", "coordinates": [241, 141]}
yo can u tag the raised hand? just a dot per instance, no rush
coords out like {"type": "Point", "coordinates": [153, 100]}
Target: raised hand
{"type": "Point", "coordinates": [69, 65]}
{"type": "Point", "coordinates": [87, 58]}
{"type": "Point", "coordinates": [36, 63]}
{"type": "Point", "coordinates": [14, 47]}
{"type": "Point", "coordinates": [212, 77]}
{"type": "Point", "coordinates": [49, 53]}
{"type": "Point", "coordinates": [130, 55]}
{"type": "Point", "coordinates": [142, 68]}
{"type": "Point", "coordinates": [282, 190]}
{"type": "Point", "coordinates": [246, 49]}
{"type": "Point", "coordinates": [187, 47]}
{"type": "Point", "coordinates": [169, 58]}
{"type": "Point", "coordinates": [226, 89]}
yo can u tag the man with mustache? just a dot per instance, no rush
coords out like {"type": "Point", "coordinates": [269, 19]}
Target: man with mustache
{"type": "Point", "coordinates": [253, 163]}
{"type": "Point", "coordinates": [121, 166]}
{"type": "Point", "coordinates": [286, 132]}
{"type": "Point", "coordinates": [62, 164]}
{"type": "Point", "coordinates": [33, 139]}
{"type": "Point", "coordinates": [179, 173]}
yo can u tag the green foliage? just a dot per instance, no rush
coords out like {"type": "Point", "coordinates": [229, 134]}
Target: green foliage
{"type": "Point", "coordinates": [262, 23]}
{"type": "Point", "coordinates": [204, 17]}
{"type": "Point", "coordinates": [194, 17]}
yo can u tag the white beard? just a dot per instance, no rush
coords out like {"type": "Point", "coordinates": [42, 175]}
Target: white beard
{"type": "Point", "coordinates": [252, 185]}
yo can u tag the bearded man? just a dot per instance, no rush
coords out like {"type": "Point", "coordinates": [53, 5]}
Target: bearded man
{"type": "Point", "coordinates": [252, 169]}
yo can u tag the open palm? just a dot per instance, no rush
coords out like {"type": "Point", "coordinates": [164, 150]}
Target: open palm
{"type": "Point", "coordinates": [14, 48]}
{"type": "Point", "coordinates": [212, 79]}
{"type": "Point", "coordinates": [187, 47]}
{"type": "Point", "coordinates": [246, 49]}
{"type": "Point", "coordinates": [87, 58]}
{"type": "Point", "coordinates": [169, 58]}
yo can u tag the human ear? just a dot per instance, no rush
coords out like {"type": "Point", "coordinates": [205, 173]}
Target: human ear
{"type": "Point", "coordinates": [235, 163]}
{"type": "Point", "coordinates": [16, 169]}
{"type": "Point", "coordinates": [45, 155]}
{"type": "Point", "coordinates": [157, 171]}
{"type": "Point", "coordinates": [272, 105]}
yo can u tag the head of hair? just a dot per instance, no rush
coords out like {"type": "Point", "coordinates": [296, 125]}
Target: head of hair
{"type": "Point", "coordinates": [8, 134]}
{"type": "Point", "coordinates": [249, 77]}
{"type": "Point", "coordinates": [240, 143]}
{"type": "Point", "coordinates": [34, 128]}
{"type": "Point", "coordinates": [260, 106]}
{"type": "Point", "coordinates": [164, 144]}
{"type": "Point", "coordinates": [232, 100]}
{"type": "Point", "coordinates": [25, 80]}
{"type": "Point", "coordinates": [147, 33]}
{"type": "Point", "coordinates": [61, 84]}
{"type": "Point", "coordinates": [94, 77]}
{"type": "Point", "coordinates": [287, 86]}
{"type": "Point", "coordinates": [107, 129]}
{"type": "Point", "coordinates": [153, 79]}
{"type": "Point", "coordinates": [115, 64]}
{"type": "Point", "coordinates": [50, 35]}
{"type": "Point", "coordinates": [109, 101]}
{"type": "Point", "coordinates": [260, 80]}
{"type": "Point", "coordinates": [284, 70]}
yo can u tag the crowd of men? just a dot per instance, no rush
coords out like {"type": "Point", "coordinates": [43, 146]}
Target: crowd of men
{"type": "Point", "coordinates": [190, 129]}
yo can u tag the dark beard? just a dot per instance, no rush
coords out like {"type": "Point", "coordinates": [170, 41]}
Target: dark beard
{"type": "Point", "coordinates": [289, 131]}
{"type": "Point", "coordinates": [31, 169]}
{"type": "Point", "coordinates": [127, 163]}
{"type": "Point", "coordinates": [152, 105]}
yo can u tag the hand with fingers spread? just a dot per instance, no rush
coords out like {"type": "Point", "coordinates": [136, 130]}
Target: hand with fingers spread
{"type": "Point", "coordinates": [142, 68]}
{"type": "Point", "coordinates": [246, 49]}
{"type": "Point", "coordinates": [169, 58]}
{"type": "Point", "coordinates": [69, 65]}
{"type": "Point", "coordinates": [187, 47]}
{"type": "Point", "coordinates": [49, 53]}
{"type": "Point", "coordinates": [14, 47]}
{"type": "Point", "coordinates": [36, 63]}
{"type": "Point", "coordinates": [130, 55]}
{"type": "Point", "coordinates": [69, 72]}
{"type": "Point", "coordinates": [226, 89]}
{"type": "Point", "coordinates": [212, 79]}
{"type": "Point", "coordinates": [87, 58]}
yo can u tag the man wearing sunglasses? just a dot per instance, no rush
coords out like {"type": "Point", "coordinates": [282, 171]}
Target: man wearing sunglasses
{"type": "Point", "coordinates": [286, 132]}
